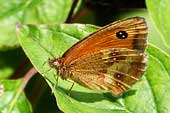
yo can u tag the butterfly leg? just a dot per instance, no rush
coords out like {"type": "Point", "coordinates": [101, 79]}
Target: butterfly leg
{"type": "Point", "coordinates": [69, 91]}
{"type": "Point", "coordinates": [56, 79]}
{"type": "Point", "coordinates": [56, 83]}
{"type": "Point", "coordinates": [47, 70]}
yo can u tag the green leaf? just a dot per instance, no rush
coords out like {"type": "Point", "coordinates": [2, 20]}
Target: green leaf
{"type": "Point", "coordinates": [150, 95]}
{"type": "Point", "coordinates": [159, 10]}
{"type": "Point", "coordinates": [26, 11]}
{"type": "Point", "coordinates": [11, 99]}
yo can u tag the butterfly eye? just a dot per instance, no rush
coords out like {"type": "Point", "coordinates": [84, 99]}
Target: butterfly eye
{"type": "Point", "coordinates": [122, 34]}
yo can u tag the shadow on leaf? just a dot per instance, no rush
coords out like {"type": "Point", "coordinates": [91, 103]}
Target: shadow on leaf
{"type": "Point", "coordinates": [90, 97]}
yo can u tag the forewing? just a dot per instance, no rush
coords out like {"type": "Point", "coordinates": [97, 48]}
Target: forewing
{"type": "Point", "coordinates": [105, 38]}
{"type": "Point", "coordinates": [113, 70]}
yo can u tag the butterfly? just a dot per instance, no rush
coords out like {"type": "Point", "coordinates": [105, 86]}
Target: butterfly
{"type": "Point", "coordinates": [110, 59]}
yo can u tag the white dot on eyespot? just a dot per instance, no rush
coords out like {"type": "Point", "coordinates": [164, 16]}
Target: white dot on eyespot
{"type": "Point", "coordinates": [120, 33]}
{"type": "Point", "coordinates": [118, 76]}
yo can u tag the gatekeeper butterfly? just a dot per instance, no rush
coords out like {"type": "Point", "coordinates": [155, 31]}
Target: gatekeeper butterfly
{"type": "Point", "coordinates": [110, 59]}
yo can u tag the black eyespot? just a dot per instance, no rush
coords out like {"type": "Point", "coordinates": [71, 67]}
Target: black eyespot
{"type": "Point", "coordinates": [122, 34]}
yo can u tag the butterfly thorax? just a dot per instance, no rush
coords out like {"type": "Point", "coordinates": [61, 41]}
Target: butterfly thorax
{"type": "Point", "coordinates": [62, 70]}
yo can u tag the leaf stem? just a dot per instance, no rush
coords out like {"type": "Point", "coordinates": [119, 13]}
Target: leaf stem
{"type": "Point", "coordinates": [81, 13]}
{"type": "Point", "coordinates": [71, 11]}
{"type": "Point", "coordinates": [26, 78]}
{"type": "Point", "coordinates": [20, 69]}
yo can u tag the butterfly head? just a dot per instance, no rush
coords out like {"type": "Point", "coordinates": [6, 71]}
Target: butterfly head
{"type": "Point", "coordinates": [54, 63]}
{"type": "Point", "coordinates": [57, 63]}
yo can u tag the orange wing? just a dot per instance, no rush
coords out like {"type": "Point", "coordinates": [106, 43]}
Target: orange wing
{"type": "Point", "coordinates": [112, 70]}
{"type": "Point", "coordinates": [134, 29]}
